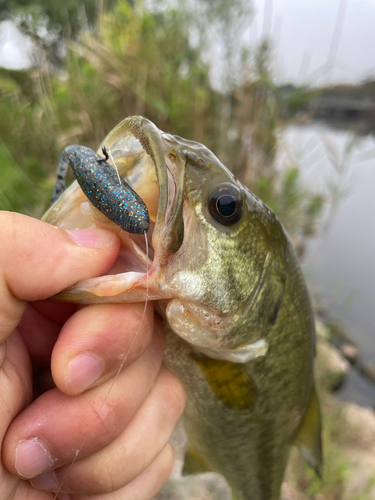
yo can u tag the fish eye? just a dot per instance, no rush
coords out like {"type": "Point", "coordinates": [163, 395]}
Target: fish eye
{"type": "Point", "coordinates": [225, 204]}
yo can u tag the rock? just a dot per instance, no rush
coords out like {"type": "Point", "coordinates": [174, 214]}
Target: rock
{"type": "Point", "coordinates": [368, 371]}
{"type": "Point", "coordinates": [350, 352]}
{"type": "Point", "coordinates": [200, 487]}
{"type": "Point", "coordinates": [358, 423]}
{"type": "Point", "coordinates": [322, 331]}
{"type": "Point", "coordinates": [338, 330]}
{"type": "Point", "coordinates": [210, 486]}
{"type": "Point", "coordinates": [331, 368]}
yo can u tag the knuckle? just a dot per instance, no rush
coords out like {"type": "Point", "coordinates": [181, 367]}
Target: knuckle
{"type": "Point", "coordinates": [102, 481]}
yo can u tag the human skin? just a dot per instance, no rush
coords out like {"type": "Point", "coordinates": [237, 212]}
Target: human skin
{"type": "Point", "coordinates": [89, 431]}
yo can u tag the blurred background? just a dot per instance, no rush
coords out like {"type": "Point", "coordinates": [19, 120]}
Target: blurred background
{"type": "Point", "coordinates": [283, 92]}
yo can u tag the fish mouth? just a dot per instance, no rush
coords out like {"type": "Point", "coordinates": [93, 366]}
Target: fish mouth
{"type": "Point", "coordinates": [142, 156]}
{"type": "Point", "coordinates": [168, 229]}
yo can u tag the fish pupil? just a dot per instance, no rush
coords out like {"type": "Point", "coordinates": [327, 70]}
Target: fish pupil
{"type": "Point", "coordinates": [225, 204]}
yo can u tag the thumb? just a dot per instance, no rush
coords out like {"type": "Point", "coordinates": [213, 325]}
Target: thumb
{"type": "Point", "coordinates": [38, 260]}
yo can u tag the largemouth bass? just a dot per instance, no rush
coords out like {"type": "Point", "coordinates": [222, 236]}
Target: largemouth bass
{"type": "Point", "coordinates": [226, 280]}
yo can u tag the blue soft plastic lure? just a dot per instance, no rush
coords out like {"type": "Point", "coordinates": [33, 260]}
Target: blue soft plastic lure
{"type": "Point", "coordinates": [107, 191]}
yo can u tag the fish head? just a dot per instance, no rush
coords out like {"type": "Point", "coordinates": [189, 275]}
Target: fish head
{"type": "Point", "coordinates": [218, 253]}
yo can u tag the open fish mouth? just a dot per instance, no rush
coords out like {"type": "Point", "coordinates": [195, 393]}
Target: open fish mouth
{"type": "Point", "coordinates": [158, 178]}
{"type": "Point", "coordinates": [138, 150]}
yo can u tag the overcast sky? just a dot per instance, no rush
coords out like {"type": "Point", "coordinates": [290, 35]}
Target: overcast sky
{"type": "Point", "coordinates": [303, 31]}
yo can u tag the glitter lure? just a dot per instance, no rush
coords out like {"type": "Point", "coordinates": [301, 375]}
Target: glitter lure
{"type": "Point", "coordinates": [105, 189]}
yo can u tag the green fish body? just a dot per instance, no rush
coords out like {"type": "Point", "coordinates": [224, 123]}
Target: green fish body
{"type": "Point", "coordinates": [240, 331]}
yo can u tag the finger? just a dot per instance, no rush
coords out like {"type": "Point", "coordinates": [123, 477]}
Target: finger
{"type": "Point", "coordinates": [15, 380]}
{"type": "Point", "coordinates": [55, 427]}
{"type": "Point", "coordinates": [96, 341]}
{"type": "Point", "coordinates": [131, 453]}
{"type": "Point", "coordinates": [38, 260]}
{"type": "Point", "coordinates": [146, 485]}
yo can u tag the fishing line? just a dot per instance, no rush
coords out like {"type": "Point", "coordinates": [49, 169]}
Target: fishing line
{"type": "Point", "coordinates": [114, 163]}
{"type": "Point", "coordinates": [123, 361]}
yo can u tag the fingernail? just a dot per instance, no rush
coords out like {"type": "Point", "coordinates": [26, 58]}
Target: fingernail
{"type": "Point", "coordinates": [83, 371]}
{"type": "Point", "coordinates": [47, 481]}
{"type": "Point", "coordinates": [93, 238]}
{"type": "Point", "coordinates": [32, 458]}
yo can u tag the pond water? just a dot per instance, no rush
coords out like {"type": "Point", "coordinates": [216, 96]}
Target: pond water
{"type": "Point", "coordinates": [340, 263]}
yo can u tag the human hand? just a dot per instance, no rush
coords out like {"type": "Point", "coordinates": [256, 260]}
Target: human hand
{"type": "Point", "coordinates": [93, 434]}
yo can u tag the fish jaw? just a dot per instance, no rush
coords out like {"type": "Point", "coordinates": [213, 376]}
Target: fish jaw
{"type": "Point", "coordinates": [210, 337]}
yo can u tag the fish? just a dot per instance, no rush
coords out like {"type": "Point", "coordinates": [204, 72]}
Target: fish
{"type": "Point", "coordinates": [227, 282]}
